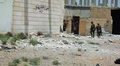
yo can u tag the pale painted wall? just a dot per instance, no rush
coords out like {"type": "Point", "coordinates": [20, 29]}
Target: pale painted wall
{"type": "Point", "coordinates": [6, 7]}
{"type": "Point", "coordinates": [37, 21]}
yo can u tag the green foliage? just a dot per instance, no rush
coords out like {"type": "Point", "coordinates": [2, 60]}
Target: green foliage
{"type": "Point", "coordinates": [79, 49]}
{"type": "Point", "coordinates": [25, 65]}
{"type": "Point", "coordinates": [12, 64]}
{"type": "Point", "coordinates": [22, 36]}
{"type": "Point", "coordinates": [80, 42]}
{"type": "Point", "coordinates": [15, 38]}
{"type": "Point", "coordinates": [15, 62]}
{"type": "Point", "coordinates": [9, 34]}
{"type": "Point", "coordinates": [39, 33]}
{"type": "Point", "coordinates": [18, 61]}
{"type": "Point", "coordinates": [36, 61]}
{"type": "Point", "coordinates": [25, 59]}
{"type": "Point", "coordinates": [4, 38]}
{"type": "Point", "coordinates": [33, 42]}
{"type": "Point", "coordinates": [56, 62]}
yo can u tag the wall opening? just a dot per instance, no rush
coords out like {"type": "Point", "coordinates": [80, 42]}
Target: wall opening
{"type": "Point", "coordinates": [75, 25]}
{"type": "Point", "coordinates": [65, 24]}
{"type": "Point", "coordinates": [116, 21]}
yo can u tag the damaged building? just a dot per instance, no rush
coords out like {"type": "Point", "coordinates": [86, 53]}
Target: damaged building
{"type": "Point", "coordinates": [50, 16]}
{"type": "Point", "coordinates": [79, 16]}
{"type": "Point", "coordinates": [31, 16]}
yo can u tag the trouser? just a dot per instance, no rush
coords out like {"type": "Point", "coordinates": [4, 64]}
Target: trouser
{"type": "Point", "coordinates": [92, 33]}
{"type": "Point", "coordinates": [99, 33]}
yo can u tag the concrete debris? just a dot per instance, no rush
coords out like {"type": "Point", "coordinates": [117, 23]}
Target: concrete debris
{"type": "Point", "coordinates": [65, 42]}
{"type": "Point", "coordinates": [67, 35]}
{"type": "Point", "coordinates": [110, 40]}
{"type": "Point", "coordinates": [97, 50]}
{"type": "Point", "coordinates": [48, 35]}
{"type": "Point", "coordinates": [101, 58]}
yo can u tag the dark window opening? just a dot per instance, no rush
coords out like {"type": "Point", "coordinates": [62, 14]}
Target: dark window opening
{"type": "Point", "coordinates": [75, 25]}
{"type": "Point", "coordinates": [116, 21]}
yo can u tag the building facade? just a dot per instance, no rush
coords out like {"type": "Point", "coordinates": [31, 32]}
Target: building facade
{"type": "Point", "coordinates": [31, 16]}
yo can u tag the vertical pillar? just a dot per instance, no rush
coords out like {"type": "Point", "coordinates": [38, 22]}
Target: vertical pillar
{"type": "Point", "coordinates": [88, 2]}
{"type": "Point", "coordinates": [80, 2]}
{"type": "Point", "coordinates": [26, 15]}
{"type": "Point", "coordinates": [116, 3]}
{"type": "Point", "coordinates": [104, 2]}
{"type": "Point", "coordinates": [94, 2]}
{"type": "Point", "coordinates": [98, 2]}
{"type": "Point", "coordinates": [50, 27]}
{"type": "Point", "coordinates": [84, 2]}
{"type": "Point", "coordinates": [73, 2]}
{"type": "Point", "coordinates": [112, 3]}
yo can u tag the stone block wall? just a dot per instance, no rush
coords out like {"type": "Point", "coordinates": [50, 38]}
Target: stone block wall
{"type": "Point", "coordinates": [25, 13]}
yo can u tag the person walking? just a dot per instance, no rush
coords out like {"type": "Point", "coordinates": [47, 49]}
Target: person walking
{"type": "Point", "coordinates": [92, 29]}
{"type": "Point", "coordinates": [99, 31]}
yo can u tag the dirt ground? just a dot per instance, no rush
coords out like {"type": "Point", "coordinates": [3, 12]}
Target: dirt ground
{"type": "Point", "coordinates": [105, 51]}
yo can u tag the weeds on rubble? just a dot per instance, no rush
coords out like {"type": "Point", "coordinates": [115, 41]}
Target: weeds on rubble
{"type": "Point", "coordinates": [79, 49]}
{"type": "Point", "coordinates": [25, 65]}
{"type": "Point", "coordinates": [18, 61]}
{"type": "Point", "coordinates": [39, 33]}
{"type": "Point", "coordinates": [12, 64]}
{"type": "Point", "coordinates": [22, 36]}
{"type": "Point", "coordinates": [25, 59]}
{"type": "Point", "coordinates": [14, 39]}
{"type": "Point", "coordinates": [35, 61]}
{"type": "Point", "coordinates": [18, 37]}
{"type": "Point", "coordinates": [33, 42]}
{"type": "Point", "coordinates": [56, 62]}
{"type": "Point", "coordinates": [80, 42]}
{"type": "Point", "coordinates": [9, 34]}
{"type": "Point", "coordinates": [15, 62]}
{"type": "Point", "coordinates": [4, 38]}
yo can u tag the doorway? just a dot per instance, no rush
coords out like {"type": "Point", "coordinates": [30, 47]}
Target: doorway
{"type": "Point", "coordinates": [75, 25]}
{"type": "Point", "coordinates": [116, 21]}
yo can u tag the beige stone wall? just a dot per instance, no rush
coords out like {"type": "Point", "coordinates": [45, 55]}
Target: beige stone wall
{"type": "Point", "coordinates": [88, 24]}
{"type": "Point", "coordinates": [102, 13]}
{"type": "Point", "coordinates": [37, 21]}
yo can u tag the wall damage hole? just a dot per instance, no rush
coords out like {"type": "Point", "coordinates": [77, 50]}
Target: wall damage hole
{"type": "Point", "coordinates": [116, 21]}
{"type": "Point", "coordinates": [117, 61]}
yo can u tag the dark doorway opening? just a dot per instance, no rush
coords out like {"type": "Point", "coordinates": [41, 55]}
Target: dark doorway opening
{"type": "Point", "coordinates": [75, 25]}
{"type": "Point", "coordinates": [116, 21]}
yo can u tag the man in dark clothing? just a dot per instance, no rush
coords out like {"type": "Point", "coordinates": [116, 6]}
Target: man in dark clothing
{"type": "Point", "coordinates": [92, 29]}
{"type": "Point", "coordinates": [99, 31]}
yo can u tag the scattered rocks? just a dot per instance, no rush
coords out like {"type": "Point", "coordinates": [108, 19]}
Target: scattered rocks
{"type": "Point", "coordinates": [78, 55]}
{"type": "Point", "coordinates": [110, 40]}
{"type": "Point", "coordinates": [97, 50]}
{"type": "Point", "coordinates": [65, 42]}
{"type": "Point", "coordinates": [48, 35]}
{"type": "Point", "coordinates": [101, 58]}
